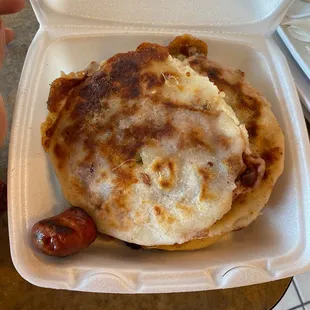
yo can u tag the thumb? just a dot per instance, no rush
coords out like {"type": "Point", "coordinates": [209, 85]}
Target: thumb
{"type": "Point", "coordinates": [3, 121]}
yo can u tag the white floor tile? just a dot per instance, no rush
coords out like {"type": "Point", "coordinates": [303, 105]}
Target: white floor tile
{"type": "Point", "coordinates": [307, 307]}
{"type": "Point", "coordinates": [289, 300]}
{"type": "Point", "coordinates": [303, 284]}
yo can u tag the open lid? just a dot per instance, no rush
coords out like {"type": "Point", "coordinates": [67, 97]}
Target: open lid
{"type": "Point", "coordinates": [243, 16]}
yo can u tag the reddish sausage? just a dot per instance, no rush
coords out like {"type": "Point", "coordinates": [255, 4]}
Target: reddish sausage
{"type": "Point", "coordinates": [64, 234]}
{"type": "Point", "coordinates": [187, 45]}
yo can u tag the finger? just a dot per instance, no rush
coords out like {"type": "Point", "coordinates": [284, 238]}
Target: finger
{"type": "Point", "coordinates": [3, 121]}
{"type": "Point", "coordinates": [9, 35]}
{"type": "Point", "coordinates": [11, 6]}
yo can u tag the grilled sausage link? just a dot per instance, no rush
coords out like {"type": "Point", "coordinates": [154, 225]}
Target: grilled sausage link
{"type": "Point", "coordinates": [187, 45]}
{"type": "Point", "coordinates": [65, 234]}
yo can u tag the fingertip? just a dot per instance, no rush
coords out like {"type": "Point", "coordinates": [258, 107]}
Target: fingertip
{"type": "Point", "coordinates": [9, 35]}
{"type": "Point", "coordinates": [11, 6]}
{"type": "Point", "coordinates": [19, 5]}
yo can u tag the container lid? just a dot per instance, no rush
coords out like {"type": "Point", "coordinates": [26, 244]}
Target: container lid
{"type": "Point", "coordinates": [243, 16]}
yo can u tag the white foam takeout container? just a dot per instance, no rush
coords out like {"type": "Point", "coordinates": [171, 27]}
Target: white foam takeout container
{"type": "Point", "coordinates": [74, 32]}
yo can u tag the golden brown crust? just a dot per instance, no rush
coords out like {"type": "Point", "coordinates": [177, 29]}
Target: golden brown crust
{"type": "Point", "coordinates": [250, 107]}
{"type": "Point", "coordinates": [59, 90]}
{"type": "Point", "coordinates": [122, 75]}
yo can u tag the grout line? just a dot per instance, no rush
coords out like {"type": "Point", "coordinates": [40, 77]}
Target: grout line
{"type": "Point", "coordinates": [298, 294]}
{"type": "Point", "coordinates": [300, 306]}
{"type": "Point", "coordinates": [296, 307]}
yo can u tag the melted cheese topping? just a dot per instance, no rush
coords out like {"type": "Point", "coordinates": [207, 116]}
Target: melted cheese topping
{"type": "Point", "coordinates": [148, 147]}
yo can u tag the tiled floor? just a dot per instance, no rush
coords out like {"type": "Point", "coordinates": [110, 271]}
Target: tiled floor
{"type": "Point", "coordinates": [297, 296]}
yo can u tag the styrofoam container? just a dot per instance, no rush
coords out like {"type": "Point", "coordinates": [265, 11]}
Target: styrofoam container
{"type": "Point", "coordinates": [74, 32]}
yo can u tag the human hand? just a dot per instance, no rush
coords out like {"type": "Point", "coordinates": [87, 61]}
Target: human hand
{"type": "Point", "coordinates": [6, 36]}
